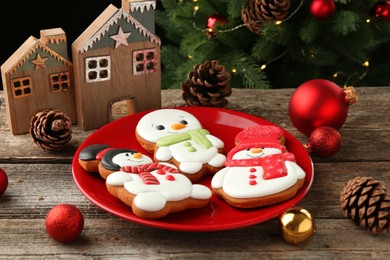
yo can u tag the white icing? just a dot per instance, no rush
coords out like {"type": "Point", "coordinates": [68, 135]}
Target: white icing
{"type": "Point", "coordinates": [215, 141]}
{"type": "Point", "coordinates": [147, 125]}
{"type": "Point", "coordinates": [163, 154]}
{"type": "Point", "coordinates": [235, 180]}
{"type": "Point", "coordinates": [255, 153]}
{"type": "Point", "coordinates": [218, 161]}
{"type": "Point", "coordinates": [119, 179]}
{"type": "Point", "coordinates": [191, 161]}
{"type": "Point", "coordinates": [150, 201]}
{"type": "Point", "coordinates": [150, 196]}
{"type": "Point", "coordinates": [131, 159]}
{"type": "Point", "coordinates": [200, 192]}
{"type": "Point", "coordinates": [190, 167]}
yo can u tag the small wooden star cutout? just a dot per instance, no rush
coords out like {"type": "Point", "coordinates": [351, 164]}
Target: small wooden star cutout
{"type": "Point", "coordinates": [120, 38]}
{"type": "Point", "coordinates": [39, 62]}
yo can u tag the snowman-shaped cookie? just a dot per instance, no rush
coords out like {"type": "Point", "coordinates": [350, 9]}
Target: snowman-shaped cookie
{"type": "Point", "coordinates": [258, 174]}
{"type": "Point", "coordinates": [176, 136]}
{"type": "Point", "coordinates": [155, 190]}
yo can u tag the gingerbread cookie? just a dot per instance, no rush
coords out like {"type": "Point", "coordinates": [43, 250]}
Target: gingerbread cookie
{"type": "Point", "coordinates": [105, 159]}
{"type": "Point", "coordinates": [90, 157]}
{"type": "Point", "coordinates": [258, 174]}
{"type": "Point", "coordinates": [176, 136]}
{"type": "Point", "coordinates": [156, 190]}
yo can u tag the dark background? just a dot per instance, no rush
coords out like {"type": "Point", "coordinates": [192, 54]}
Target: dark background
{"type": "Point", "coordinates": [20, 19]}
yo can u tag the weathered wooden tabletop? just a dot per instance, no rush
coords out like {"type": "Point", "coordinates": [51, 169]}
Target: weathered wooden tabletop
{"type": "Point", "coordinates": [39, 180]}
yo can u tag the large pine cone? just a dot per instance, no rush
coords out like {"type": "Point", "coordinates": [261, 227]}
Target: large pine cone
{"type": "Point", "coordinates": [367, 203]}
{"type": "Point", "coordinates": [207, 85]}
{"type": "Point", "coordinates": [51, 129]}
{"type": "Point", "coordinates": [255, 12]}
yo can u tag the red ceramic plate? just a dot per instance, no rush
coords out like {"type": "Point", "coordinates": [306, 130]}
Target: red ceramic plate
{"type": "Point", "coordinates": [218, 215]}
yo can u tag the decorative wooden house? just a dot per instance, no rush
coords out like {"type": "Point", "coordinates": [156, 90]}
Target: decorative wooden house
{"type": "Point", "coordinates": [37, 76]}
{"type": "Point", "coordinates": [117, 58]}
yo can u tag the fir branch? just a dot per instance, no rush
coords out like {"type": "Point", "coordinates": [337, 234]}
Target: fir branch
{"type": "Point", "coordinates": [275, 33]}
{"type": "Point", "coordinates": [309, 31]}
{"type": "Point", "coordinates": [345, 22]}
{"type": "Point", "coordinates": [247, 69]}
{"type": "Point", "coordinates": [263, 50]}
{"type": "Point", "coordinates": [234, 8]}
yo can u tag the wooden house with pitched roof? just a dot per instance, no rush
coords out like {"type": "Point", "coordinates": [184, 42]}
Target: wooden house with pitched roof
{"type": "Point", "coordinates": [37, 76]}
{"type": "Point", "coordinates": [117, 58]}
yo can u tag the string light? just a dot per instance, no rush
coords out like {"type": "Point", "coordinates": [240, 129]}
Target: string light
{"type": "Point", "coordinates": [234, 70]}
{"type": "Point", "coordinates": [365, 65]}
{"type": "Point", "coordinates": [278, 22]}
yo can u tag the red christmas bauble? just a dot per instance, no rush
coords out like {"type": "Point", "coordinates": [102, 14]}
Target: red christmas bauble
{"type": "Point", "coordinates": [213, 21]}
{"type": "Point", "coordinates": [322, 9]}
{"type": "Point", "coordinates": [316, 103]}
{"type": "Point", "coordinates": [64, 223]}
{"type": "Point", "coordinates": [324, 141]}
{"type": "Point", "coordinates": [3, 181]}
{"type": "Point", "coordinates": [382, 10]}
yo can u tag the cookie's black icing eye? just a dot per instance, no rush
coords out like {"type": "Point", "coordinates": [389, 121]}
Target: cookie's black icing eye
{"type": "Point", "coordinates": [184, 122]}
{"type": "Point", "coordinates": [160, 127]}
{"type": "Point", "coordinates": [248, 149]}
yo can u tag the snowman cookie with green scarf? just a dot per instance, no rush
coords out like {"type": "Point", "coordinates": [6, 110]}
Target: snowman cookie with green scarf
{"type": "Point", "coordinates": [176, 136]}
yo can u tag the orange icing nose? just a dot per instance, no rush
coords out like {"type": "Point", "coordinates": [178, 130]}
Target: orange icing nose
{"type": "Point", "coordinates": [178, 126]}
{"type": "Point", "coordinates": [137, 155]}
{"type": "Point", "coordinates": [256, 150]}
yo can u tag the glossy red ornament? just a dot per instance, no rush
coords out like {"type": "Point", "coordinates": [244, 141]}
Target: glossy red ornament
{"type": "Point", "coordinates": [382, 10]}
{"type": "Point", "coordinates": [316, 103]}
{"type": "Point", "coordinates": [322, 9]}
{"type": "Point", "coordinates": [64, 223]}
{"type": "Point", "coordinates": [3, 181]}
{"type": "Point", "coordinates": [324, 141]}
{"type": "Point", "coordinates": [212, 21]}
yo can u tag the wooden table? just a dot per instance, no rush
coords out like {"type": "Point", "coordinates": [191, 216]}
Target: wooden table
{"type": "Point", "coordinates": [39, 180]}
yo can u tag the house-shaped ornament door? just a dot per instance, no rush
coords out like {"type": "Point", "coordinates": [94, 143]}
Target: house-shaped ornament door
{"type": "Point", "coordinates": [117, 56]}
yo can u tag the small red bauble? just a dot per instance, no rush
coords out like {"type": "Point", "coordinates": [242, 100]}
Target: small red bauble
{"type": "Point", "coordinates": [325, 141]}
{"type": "Point", "coordinates": [3, 181]}
{"type": "Point", "coordinates": [213, 21]}
{"type": "Point", "coordinates": [316, 103]}
{"type": "Point", "coordinates": [382, 10]}
{"type": "Point", "coordinates": [64, 223]}
{"type": "Point", "coordinates": [322, 9]}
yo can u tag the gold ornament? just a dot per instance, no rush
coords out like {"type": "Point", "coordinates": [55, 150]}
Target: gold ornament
{"type": "Point", "coordinates": [297, 225]}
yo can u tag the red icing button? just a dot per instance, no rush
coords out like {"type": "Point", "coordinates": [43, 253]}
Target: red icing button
{"type": "Point", "coordinates": [170, 177]}
{"type": "Point", "coordinates": [252, 170]}
{"type": "Point", "coordinates": [252, 176]}
{"type": "Point", "coordinates": [252, 182]}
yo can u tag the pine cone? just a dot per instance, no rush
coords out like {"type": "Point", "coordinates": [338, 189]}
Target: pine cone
{"type": "Point", "coordinates": [51, 129]}
{"type": "Point", "coordinates": [367, 203]}
{"type": "Point", "coordinates": [255, 12]}
{"type": "Point", "coordinates": [207, 85]}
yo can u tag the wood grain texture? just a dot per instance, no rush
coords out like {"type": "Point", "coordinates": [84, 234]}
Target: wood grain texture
{"type": "Point", "coordinates": [39, 180]}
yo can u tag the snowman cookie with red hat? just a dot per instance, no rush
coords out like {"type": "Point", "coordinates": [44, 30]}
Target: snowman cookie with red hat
{"type": "Point", "coordinates": [259, 170]}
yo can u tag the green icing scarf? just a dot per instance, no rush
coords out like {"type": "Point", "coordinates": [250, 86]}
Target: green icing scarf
{"type": "Point", "coordinates": [197, 135]}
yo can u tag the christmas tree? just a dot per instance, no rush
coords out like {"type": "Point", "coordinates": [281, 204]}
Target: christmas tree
{"type": "Point", "coordinates": [277, 43]}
